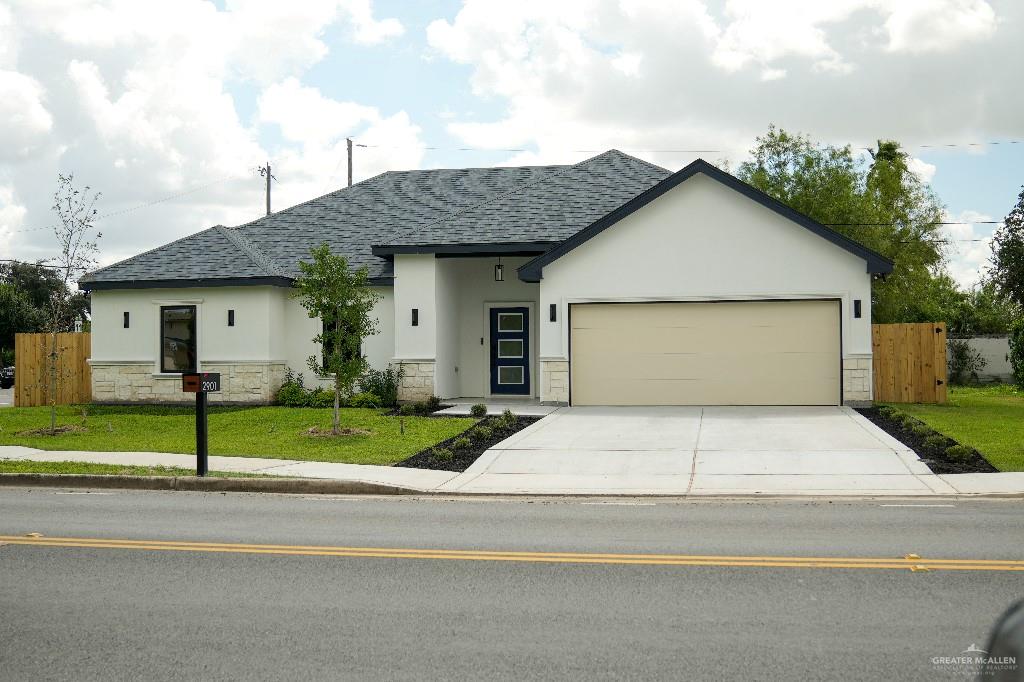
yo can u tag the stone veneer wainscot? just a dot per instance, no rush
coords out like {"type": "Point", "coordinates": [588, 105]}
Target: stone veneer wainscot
{"type": "Point", "coordinates": [554, 382]}
{"type": "Point", "coordinates": [241, 383]}
{"type": "Point", "coordinates": [417, 380]}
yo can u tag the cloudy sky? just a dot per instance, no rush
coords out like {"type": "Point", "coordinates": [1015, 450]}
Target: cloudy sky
{"type": "Point", "coordinates": [168, 106]}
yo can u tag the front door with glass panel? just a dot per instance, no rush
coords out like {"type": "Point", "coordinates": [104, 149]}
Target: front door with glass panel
{"type": "Point", "coordinates": [510, 351]}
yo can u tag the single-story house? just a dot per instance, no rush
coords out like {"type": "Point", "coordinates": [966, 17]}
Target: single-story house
{"type": "Point", "coordinates": [607, 282]}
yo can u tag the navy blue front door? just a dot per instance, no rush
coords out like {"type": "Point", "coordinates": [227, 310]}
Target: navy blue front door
{"type": "Point", "coordinates": [510, 351]}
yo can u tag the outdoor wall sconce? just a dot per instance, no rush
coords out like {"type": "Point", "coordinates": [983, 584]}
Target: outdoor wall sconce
{"type": "Point", "coordinates": [499, 271]}
{"type": "Point", "coordinates": [553, 312]}
{"type": "Point", "coordinates": [856, 307]}
{"type": "Point", "coordinates": [415, 317]}
{"type": "Point", "coordinates": [231, 318]}
{"type": "Point", "coordinates": [126, 320]}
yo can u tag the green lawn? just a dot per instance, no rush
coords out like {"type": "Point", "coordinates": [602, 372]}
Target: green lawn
{"type": "Point", "coordinates": [277, 432]}
{"type": "Point", "coordinates": [990, 419]}
{"type": "Point", "coordinates": [14, 466]}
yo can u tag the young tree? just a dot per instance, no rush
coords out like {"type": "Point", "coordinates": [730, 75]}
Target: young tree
{"type": "Point", "coordinates": [343, 300]}
{"type": "Point", "coordinates": [1008, 253]}
{"type": "Point", "coordinates": [17, 315]}
{"type": "Point", "coordinates": [76, 217]}
{"type": "Point", "coordinates": [880, 204]}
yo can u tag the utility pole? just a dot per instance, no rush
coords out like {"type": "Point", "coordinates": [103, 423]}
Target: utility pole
{"type": "Point", "coordinates": [348, 140]}
{"type": "Point", "coordinates": [265, 172]}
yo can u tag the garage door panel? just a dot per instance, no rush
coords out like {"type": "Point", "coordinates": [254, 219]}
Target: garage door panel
{"type": "Point", "coordinates": [750, 353]}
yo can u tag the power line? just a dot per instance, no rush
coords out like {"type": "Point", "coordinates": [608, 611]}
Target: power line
{"type": "Point", "coordinates": [945, 145]}
{"type": "Point", "coordinates": [140, 206]}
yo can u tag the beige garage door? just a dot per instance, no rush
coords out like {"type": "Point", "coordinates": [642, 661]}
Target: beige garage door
{"type": "Point", "coordinates": [729, 353]}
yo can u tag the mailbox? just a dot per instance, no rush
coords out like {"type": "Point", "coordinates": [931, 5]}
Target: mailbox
{"type": "Point", "coordinates": [207, 382]}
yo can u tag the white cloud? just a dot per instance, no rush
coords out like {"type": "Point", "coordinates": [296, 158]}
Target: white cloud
{"type": "Point", "coordinates": [841, 71]}
{"type": "Point", "coordinates": [137, 97]}
{"type": "Point", "coordinates": [26, 120]}
{"type": "Point", "coordinates": [922, 169]}
{"type": "Point", "coordinates": [930, 26]}
{"type": "Point", "coordinates": [970, 246]}
{"type": "Point", "coordinates": [305, 115]}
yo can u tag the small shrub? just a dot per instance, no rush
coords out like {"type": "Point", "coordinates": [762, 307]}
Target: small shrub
{"type": "Point", "coordinates": [443, 454]}
{"type": "Point", "coordinates": [479, 411]}
{"type": "Point", "coordinates": [407, 410]}
{"type": "Point", "coordinates": [936, 442]}
{"type": "Point", "coordinates": [481, 434]}
{"type": "Point", "coordinates": [320, 397]}
{"type": "Point", "coordinates": [922, 430]}
{"type": "Point", "coordinates": [1016, 355]}
{"type": "Point", "coordinates": [420, 408]}
{"type": "Point", "coordinates": [964, 362]}
{"type": "Point", "coordinates": [887, 412]}
{"type": "Point", "coordinates": [291, 395]}
{"type": "Point", "coordinates": [365, 399]}
{"type": "Point", "coordinates": [433, 403]}
{"type": "Point", "coordinates": [383, 384]}
{"type": "Point", "coordinates": [461, 443]}
{"type": "Point", "coordinates": [959, 453]}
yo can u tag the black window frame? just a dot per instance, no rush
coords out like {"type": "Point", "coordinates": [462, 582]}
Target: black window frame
{"type": "Point", "coordinates": [195, 339]}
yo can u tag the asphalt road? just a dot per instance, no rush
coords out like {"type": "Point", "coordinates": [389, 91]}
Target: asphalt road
{"type": "Point", "coordinates": [142, 613]}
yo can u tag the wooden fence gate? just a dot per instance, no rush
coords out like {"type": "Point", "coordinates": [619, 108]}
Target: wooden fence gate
{"type": "Point", "coordinates": [31, 376]}
{"type": "Point", "coordinates": [909, 362]}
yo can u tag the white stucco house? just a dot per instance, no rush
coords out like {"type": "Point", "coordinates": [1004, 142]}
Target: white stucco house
{"type": "Point", "coordinates": [607, 282]}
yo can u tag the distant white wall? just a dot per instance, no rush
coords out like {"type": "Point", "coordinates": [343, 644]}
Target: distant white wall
{"type": "Point", "coordinates": [704, 241]}
{"type": "Point", "coordinates": [996, 351]}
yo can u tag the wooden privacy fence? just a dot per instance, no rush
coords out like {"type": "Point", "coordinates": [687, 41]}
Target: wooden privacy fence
{"type": "Point", "coordinates": [31, 369]}
{"type": "Point", "coordinates": [909, 362]}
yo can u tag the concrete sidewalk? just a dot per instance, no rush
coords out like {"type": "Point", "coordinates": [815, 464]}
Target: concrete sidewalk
{"type": "Point", "coordinates": [504, 471]}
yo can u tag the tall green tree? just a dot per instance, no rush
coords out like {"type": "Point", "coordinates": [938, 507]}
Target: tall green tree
{"type": "Point", "coordinates": [1008, 253]}
{"type": "Point", "coordinates": [881, 204]}
{"type": "Point", "coordinates": [342, 298]}
{"type": "Point", "coordinates": [38, 283]}
{"type": "Point", "coordinates": [17, 315]}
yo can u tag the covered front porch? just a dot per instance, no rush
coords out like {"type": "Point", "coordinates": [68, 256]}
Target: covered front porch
{"type": "Point", "coordinates": [465, 325]}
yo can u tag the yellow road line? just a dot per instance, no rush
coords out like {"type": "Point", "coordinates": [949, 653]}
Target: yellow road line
{"type": "Point", "coordinates": [530, 557]}
{"type": "Point", "coordinates": [500, 555]}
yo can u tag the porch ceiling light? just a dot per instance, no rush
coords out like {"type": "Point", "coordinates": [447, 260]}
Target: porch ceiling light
{"type": "Point", "coordinates": [499, 271]}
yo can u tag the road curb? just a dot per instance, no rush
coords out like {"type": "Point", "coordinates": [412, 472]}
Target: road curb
{"type": "Point", "coordinates": [304, 486]}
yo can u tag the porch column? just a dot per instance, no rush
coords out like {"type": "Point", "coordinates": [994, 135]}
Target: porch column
{"type": "Point", "coordinates": [416, 324]}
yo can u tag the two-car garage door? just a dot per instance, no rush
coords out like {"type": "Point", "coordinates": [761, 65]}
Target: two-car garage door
{"type": "Point", "coordinates": [722, 353]}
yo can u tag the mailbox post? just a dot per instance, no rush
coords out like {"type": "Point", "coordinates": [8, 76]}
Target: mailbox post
{"type": "Point", "coordinates": [201, 384]}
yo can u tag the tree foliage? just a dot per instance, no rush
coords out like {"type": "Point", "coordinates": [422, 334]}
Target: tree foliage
{"type": "Point", "coordinates": [38, 283]}
{"type": "Point", "coordinates": [328, 289]}
{"type": "Point", "coordinates": [880, 204]}
{"type": "Point", "coordinates": [1008, 253]}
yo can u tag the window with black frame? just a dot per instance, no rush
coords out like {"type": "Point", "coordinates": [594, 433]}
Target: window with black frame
{"type": "Point", "coordinates": [178, 338]}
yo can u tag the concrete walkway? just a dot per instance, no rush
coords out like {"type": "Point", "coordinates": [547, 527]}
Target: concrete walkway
{"type": "Point", "coordinates": [677, 451]}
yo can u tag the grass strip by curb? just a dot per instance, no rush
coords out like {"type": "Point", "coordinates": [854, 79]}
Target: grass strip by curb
{"type": "Point", "coordinates": [206, 484]}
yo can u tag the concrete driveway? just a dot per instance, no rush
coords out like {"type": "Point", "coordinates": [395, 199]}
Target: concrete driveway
{"type": "Point", "coordinates": [701, 450]}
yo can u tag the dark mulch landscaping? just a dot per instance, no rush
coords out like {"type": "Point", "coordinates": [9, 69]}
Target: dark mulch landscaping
{"type": "Point", "coordinates": [462, 457]}
{"type": "Point", "coordinates": [933, 454]}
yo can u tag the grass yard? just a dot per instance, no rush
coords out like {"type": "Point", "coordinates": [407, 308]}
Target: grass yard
{"type": "Point", "coordinates": [14, 466]}
{"type": "Point", "coordinates": [278, 432]}
{"type": "Point", "coordinates": [990, 419]}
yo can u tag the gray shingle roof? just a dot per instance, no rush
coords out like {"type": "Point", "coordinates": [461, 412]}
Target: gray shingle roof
{"type": "Point", "coordinates": [549, 209]}
{"type": "Point", "coordinates": [421, 207]}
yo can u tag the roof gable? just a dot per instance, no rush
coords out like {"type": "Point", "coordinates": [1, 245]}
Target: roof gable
{"type": "Point", "coordinates": [533, 271]}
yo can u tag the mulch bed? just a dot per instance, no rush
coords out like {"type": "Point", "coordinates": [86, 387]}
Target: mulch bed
{"type": "Point", "coordinates": [463, 457]}
{"type": "Point", "coordinates": [45, 431]}
{"type": "Point", "coordinates": [935, 458]}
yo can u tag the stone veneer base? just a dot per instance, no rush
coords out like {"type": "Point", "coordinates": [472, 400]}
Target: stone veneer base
{"type": "Point", "coordinates": [857, 380]}
{"type": "Point", "coordinates": [554, 382]}
{"type": "Point", "coordinates": [247, 383]}
{"type": "Point", "coordinates": [417, 380]}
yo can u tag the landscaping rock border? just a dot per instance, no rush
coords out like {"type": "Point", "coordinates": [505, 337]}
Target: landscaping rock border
{"type": "Point", "coordinates": [463, 457]}
{"type": "Point", "coordinates": [915, 434]}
